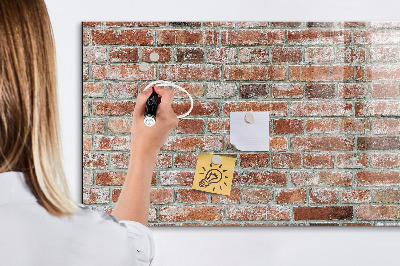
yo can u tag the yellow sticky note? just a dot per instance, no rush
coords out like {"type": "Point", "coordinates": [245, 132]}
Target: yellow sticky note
{"type": "Point", "coordinates": [215, 178]}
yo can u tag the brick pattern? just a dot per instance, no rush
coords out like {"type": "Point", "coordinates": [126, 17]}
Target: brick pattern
{"type": "Point", "coordinates": [332, 90]}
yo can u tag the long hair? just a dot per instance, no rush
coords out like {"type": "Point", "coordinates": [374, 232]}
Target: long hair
{"type": "Point", "coordinates": [29, 122]}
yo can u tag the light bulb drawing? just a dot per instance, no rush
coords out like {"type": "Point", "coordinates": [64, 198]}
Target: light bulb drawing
{"type": "Point", "coordinates": [214, 175]}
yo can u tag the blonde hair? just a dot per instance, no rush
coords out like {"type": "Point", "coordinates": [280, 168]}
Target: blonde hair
{"type": "Point", "coordinates": [29, 123]}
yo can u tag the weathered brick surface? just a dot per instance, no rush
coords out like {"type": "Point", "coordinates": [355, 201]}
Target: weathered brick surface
{"type": "Point", "coordinates": [332, 90]}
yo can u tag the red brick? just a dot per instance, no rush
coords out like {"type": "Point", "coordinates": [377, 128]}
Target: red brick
{"type": "Point", "coordinates": [187, 195]}
{"type": "Point", "coordinates": [382, 72]}
{"type": "Point", "coordinates": [128, 37]}
{"type": "Point", "coordinates": [290, 196]}
{"type": "Point", "coordinates": [259, 178]}
{"type": "Point", "coordinates": [221, 55]}
{"type": "Point", "coordinates": [282, 90]}
{"type": "Point", "coordinates": [322, 143]}
{"type": "Point", "coordinates": [250, 55]}
{"type": "Point", "coordinates": [85, 72]}
{"type": "Point", "coordinates": [286, 54]}
{"type": "Point", "coordinates": [378, 213]}
{"type": "Point", "coordinates": [112, 142]}
{"type": "Point", "coordinates": [218, 125]}
{"type": "Point", "coordinates": [388, 195]}
{"type": "Point", "coordinates": [288, 126]}
{"type": "Point", "coordinates": [356, 196]}
{"type": "Point", "coordinates": [354, 125]}
{"type": "Point", "coordinates": [252, 37]}
{"type": "Point", "coordinates": [321, 178]}
{"type": "Point", "coordinates": [123, 72]}
{"type": "Point", "coordinates": [320, 24]}
{"type": "Point", "coordinates": [200, 108]}
{"type": "Point", "coordinates": [384, 54]}
{"type": "Point", "coordinates": [161, 195]}
{"type": "Point", "coordinates": [320, 90]}
{"type": "Point", "coordinates": [317, 73]}
{"type": "Point", "coordinates": [220, 24]}
{"type": "Point", "coordinates": [385, 90]}
{"type": "Point", "coordinates": [318, 160]}
{"type": "Point", "coordinates": [190, 55]}
{"type": "Point", "coordinates": [96, 195]}
{"type": "Point", "coordinates": [323, 213]}
{"type": "Point", "coordinates": [85, 36]}
{"type": "Point", "coordinates": [87, 178]}
{"type": "Point", "coordinates": [319, 54]}
{"type": "Point", "coordinates": [190, 126]}
{"type": "Point", "coordinates": [181, 178]}
{"type": "Point", "coordinates": [196, 37]}
{"type": "Point", "coordinates": [352, 90]}
{"type": "Point", "coordinates": [385, 160]}
{"type": "Point", "coordinates": [221, 90]}
{"type": "Point", "coordinates": [278, 213]}
{"type": "Point", "coordinates": [166, 36]}
{"type": "Point", "coordinates": [376, 37]}
{"type": "Point", "coordinates": [185, 160]}
{"type": "Point", "coordinates": [124, 54]}
{"type": "Point", "coordinates": [87, 143]}
{"type": "Point", "coordinates": [277, 143]}
{"type": "Point", "coordinates": [191, 213]}
{"type": "Point", "coordinates": [246, 213]}
{"type": "Point", "coordinates": [163, 53]}
{"type": "Point", "coordinates": [115, 194]}
{"type": "Point", "coordinates": [378, 143]}
{"type": "Point", "coordinates": [286, 160]}
{"type": "Point", "coordinates": [254, 72]}
{"type": "Point", "coordinates": [94, 160]}
{"type": "Point", "coordinates": [190, 72]}
{"type": "Point", "coordinates": [275, 108]}
{"type": "Point", "coordinates": [234, 197]}
{"type": "Point", "coordinates": [323, 195]}
{"type": "Point", "coordinates": [119, 160]}
{"type": "Point", "coordinates": [377, 108]}
{"type": "Point", "coordinates": [113, 108]}
{"type": "Point", "coordinates": [93, 125]}
{"type": "Point", "coordinates": [251, 24]}
{"type": "Point", "coordinates": [254, 90]}
{"type": "Point", "coordinates": [94, 54]}
{"type": "Point", "coordinates": [351, 160]}
{"type": "Point", "coordinates": [285, 24]}
{"type": "Point", "coordinates": [321, 108]}
{"type": "Point", "coordinates": [122, 90]}
{"type": "Point", "coordinates": [320, 37]}
{"type": "Point", "coordinates": [254, 160]}
{"type": "Point", "coordinates": [111, 178]}
{"type": "Point", "coordinates": [350, 55]}
{"type": "Point", "coordinates": [257, 195]}
{"type": "Point", "coordinates": [151, 24]}
{"type": "Point", "coordinates": [190, 143]}
{"type": "Point", "coordinates": [120, 125]}
{"type": "Point", "coordinates": [354, 24]}
{"type": "Point", "coordinates": [377, 178]}
{"type": "Point", "coordinates": [93, 89]}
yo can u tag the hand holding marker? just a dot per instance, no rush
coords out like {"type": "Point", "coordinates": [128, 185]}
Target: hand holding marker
{"type": "Point", "coordinates": [151, 103]}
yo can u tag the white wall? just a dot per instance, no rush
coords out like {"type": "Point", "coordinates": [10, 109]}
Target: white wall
{"type": "Point", "coordinates": [220, 246]}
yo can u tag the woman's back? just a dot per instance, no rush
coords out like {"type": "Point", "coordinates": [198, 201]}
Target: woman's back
{"type": "Point", "coordinates": [29, 235]}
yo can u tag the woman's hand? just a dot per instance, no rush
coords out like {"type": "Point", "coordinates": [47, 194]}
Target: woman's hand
{"type": "Point", "coordinates": [151, 139]}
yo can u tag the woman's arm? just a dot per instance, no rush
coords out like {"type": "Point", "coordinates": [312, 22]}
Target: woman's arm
{"type": "Point", "coordinates": [134, 200]}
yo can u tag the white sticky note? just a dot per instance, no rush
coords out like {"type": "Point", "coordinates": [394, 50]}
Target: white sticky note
{"type": "Point", "coordinates": [249, 136]}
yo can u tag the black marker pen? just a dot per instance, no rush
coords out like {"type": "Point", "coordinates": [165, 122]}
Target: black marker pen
{"type": "Point", "coordinates": [151, 109]}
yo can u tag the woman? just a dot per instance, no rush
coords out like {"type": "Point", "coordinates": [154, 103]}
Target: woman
{"type": "Point", "coordinates": [39, 222]}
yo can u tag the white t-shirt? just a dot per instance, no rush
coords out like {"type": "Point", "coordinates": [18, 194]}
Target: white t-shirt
{"type": "Point", "coordinates": [29, 235]}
